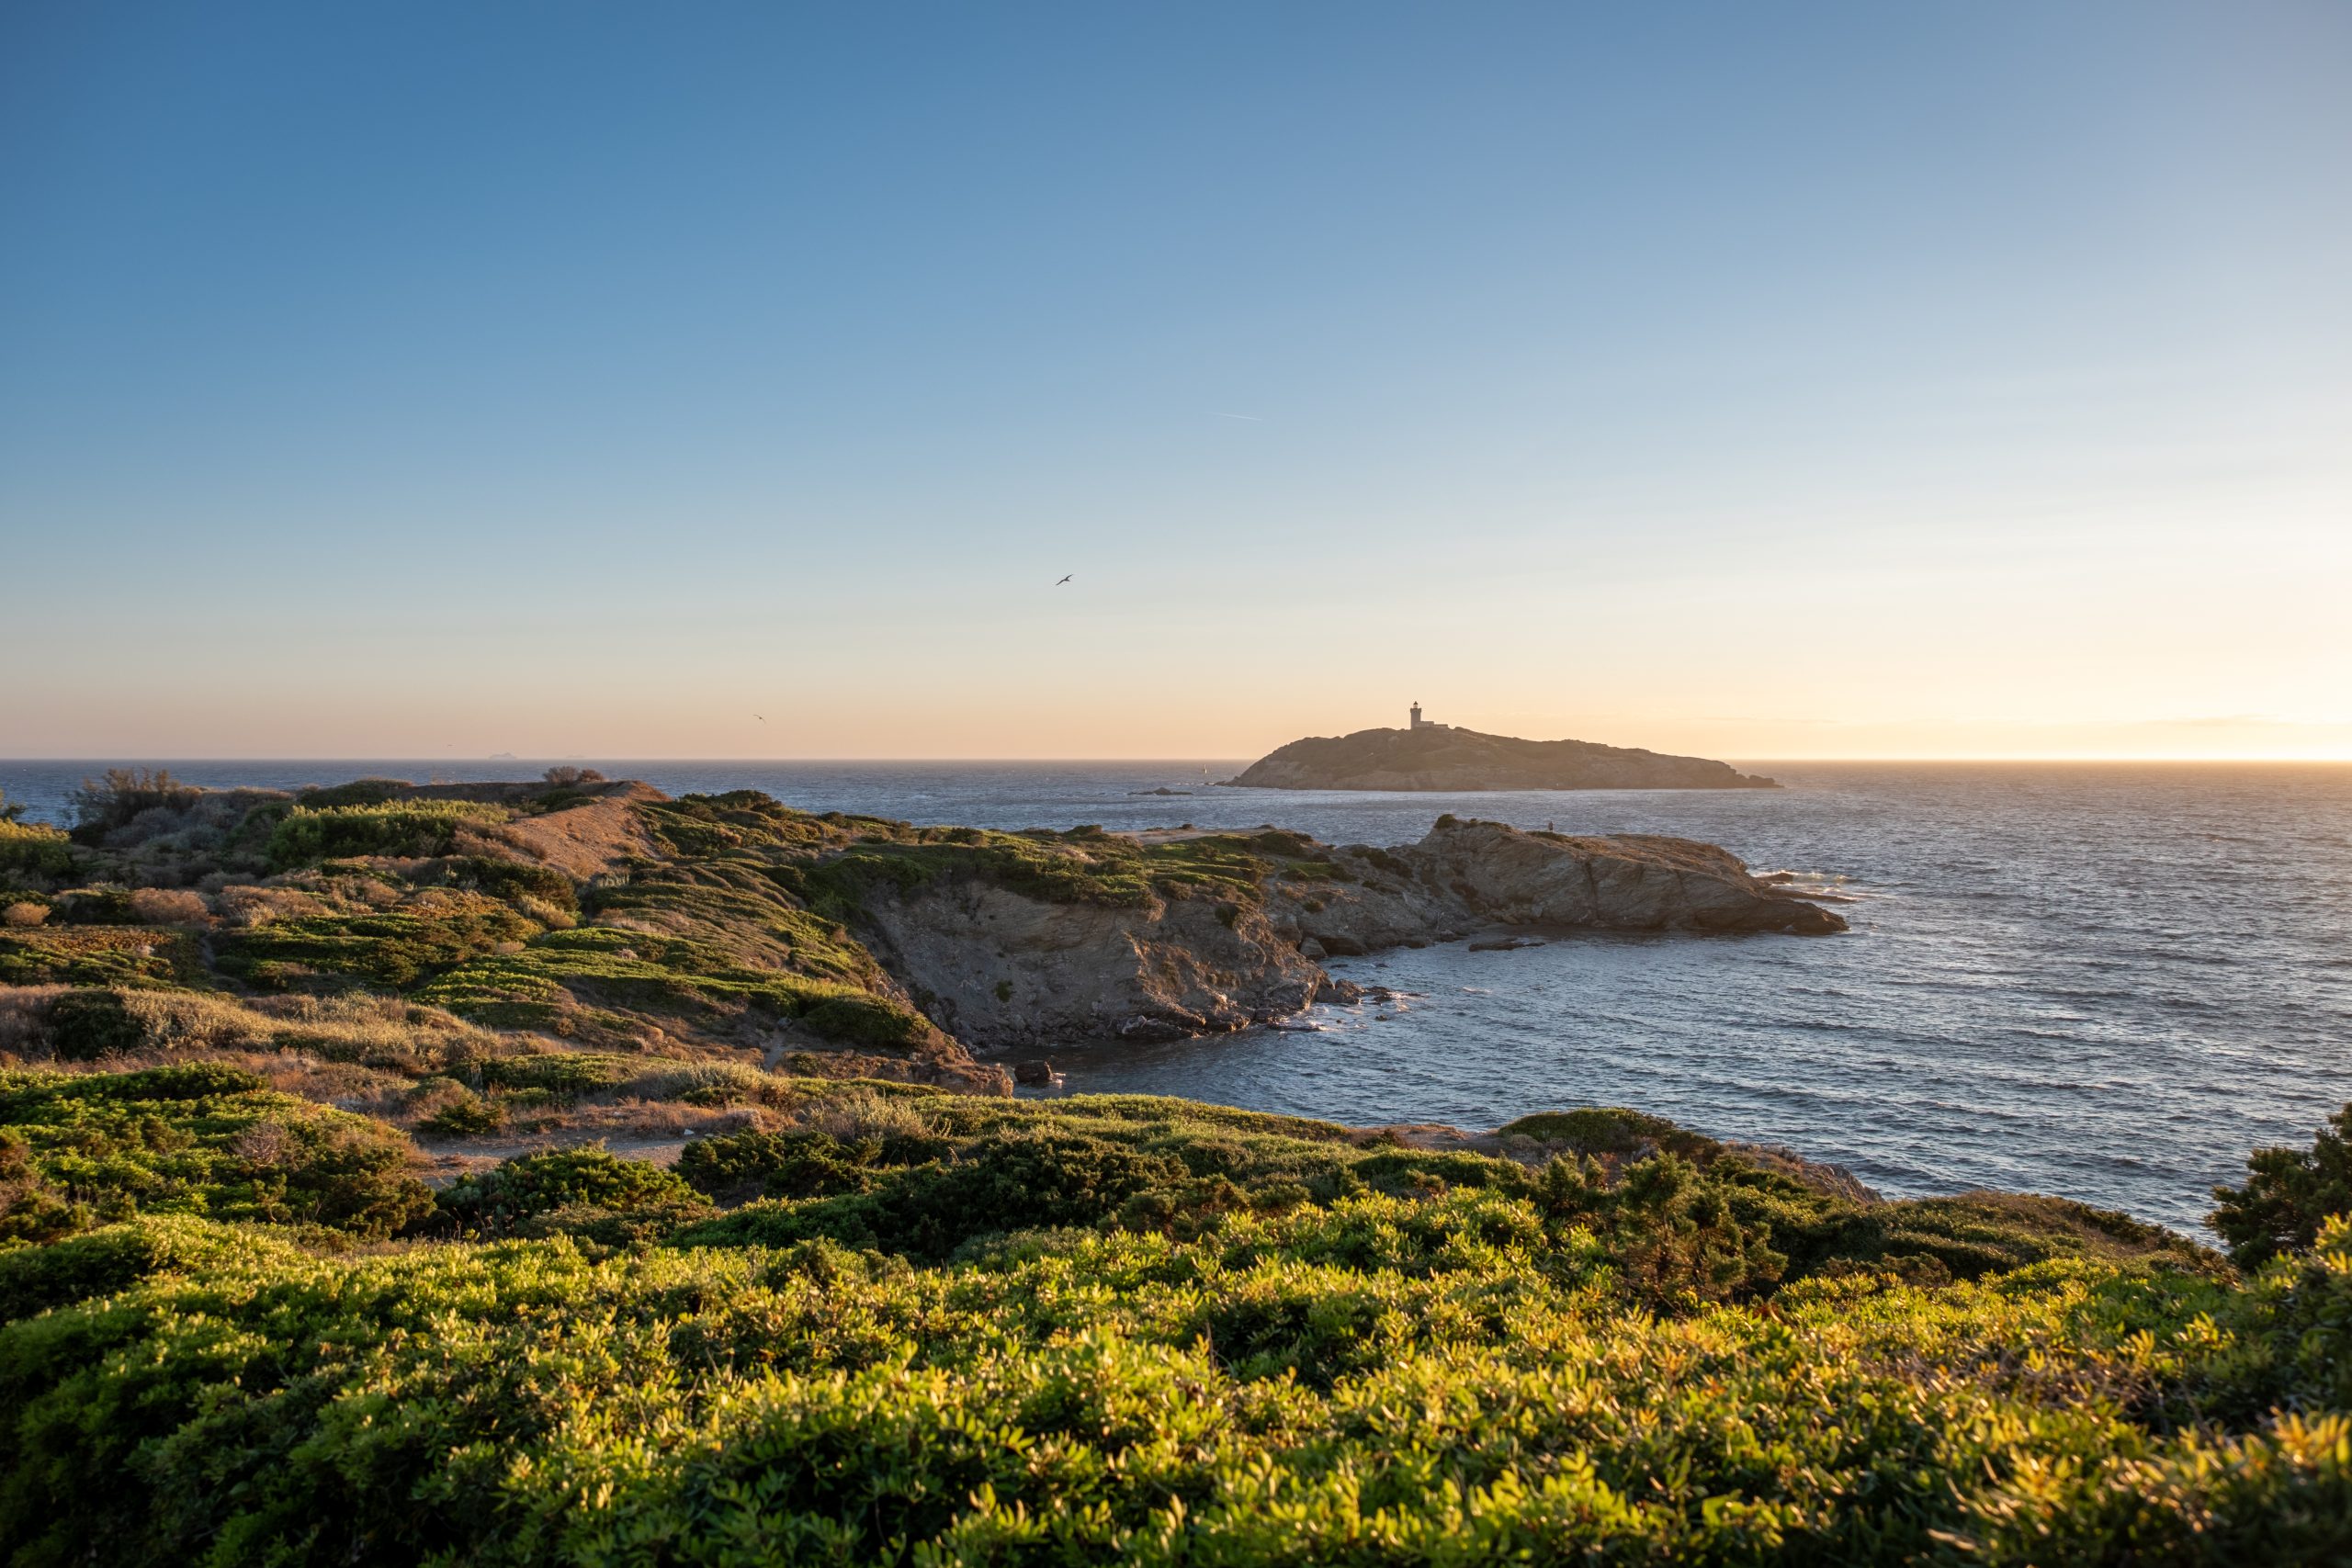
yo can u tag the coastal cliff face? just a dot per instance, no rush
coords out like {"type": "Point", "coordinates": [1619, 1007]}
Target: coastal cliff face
{"type": "Point", "coordinates": [997, 967]}
{"type": "Point", "coordinates": [1439, 757]}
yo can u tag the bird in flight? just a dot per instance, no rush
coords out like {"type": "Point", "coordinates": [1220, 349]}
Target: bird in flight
{"type": "Point", "coordinates": [1065, 579]}
{"type": "Point", "coordinates": [761, 716]}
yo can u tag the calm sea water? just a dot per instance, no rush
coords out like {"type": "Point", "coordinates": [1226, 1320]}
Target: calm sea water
{"type": "Point", "coordinates": [2108, 981]}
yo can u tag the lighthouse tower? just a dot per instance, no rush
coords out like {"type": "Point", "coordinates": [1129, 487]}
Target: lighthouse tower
{"type": "Point", "coordinates": [1416, 717]}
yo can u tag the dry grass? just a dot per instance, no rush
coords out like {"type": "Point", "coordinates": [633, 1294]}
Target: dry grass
{"type": "Point", "coordinates": [23, 915]}
{"type": "Point", "coordinates": [250, 903]}
{"type": "Point", "coordinates": [24, 1031]}
{"type": "Point", "coordinates": [861, 1113]}
{"type": "Point", "coordinates": [170, 907]}
{"type": "Point", "coordinates": [379, 1031]}
{"type": "Point", "coordinates": [710, 1083]}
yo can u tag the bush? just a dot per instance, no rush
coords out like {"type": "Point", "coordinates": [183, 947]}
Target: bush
{"type": "Point", "coordinates": [802, 1162]}
{"type": "Point", "coordinates": [358, 792]}
{"type": "Point", "coordinates": [114, 1257]}
{"type": "Point", "coordinates": [102, 805]}
{"type": "Point", "coordinates": [464, 1115]}
{"type": "Point", "coordinates": [23, 915]}
{"type": "Point", "coordinates": [2289, 1194]}
{"type": "Point", "coordinates": [204, 1139]}
{"type": "Point", "coordinates": [1009, 1181]}
{"type": "Point", "coordinates": [518, 1189]}
{"type": "Point", "coordinates": [84, 1026]}
{"type": "Point", "coordinates": [1611, 1130]}
{"type": "Point", "coordinates": [411, 829]}
{"type": "Point", "coordinates": [169, 906]}
{"type": "Point", "coordinates": [562, 1075]}
{"type": "Point", "coordinates": [34, 850]}
{"type": "Point", "coordinates": [866, 1021]}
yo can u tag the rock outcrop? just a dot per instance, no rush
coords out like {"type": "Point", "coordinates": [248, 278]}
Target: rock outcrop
{"type": "Point", "coordinates": [1439, 757]}
{"type": "Point", "coordinates": [1624, 881]}
{"type": "Point", "coordinates": [996, 969]}
{"type": "Point", "coordinates": [999, 968]}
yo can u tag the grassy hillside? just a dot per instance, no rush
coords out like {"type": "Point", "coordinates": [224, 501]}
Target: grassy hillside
{"type": "Point", "coordinates": [597, 914]}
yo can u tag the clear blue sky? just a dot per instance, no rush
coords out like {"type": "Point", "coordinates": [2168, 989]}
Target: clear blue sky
{"type": "Point", "coordinates": [1759, 380]}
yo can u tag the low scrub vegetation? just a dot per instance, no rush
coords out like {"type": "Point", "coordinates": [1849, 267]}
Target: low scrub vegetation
{"type": "Point", "coordinates": [958, 1330]}
{"type": "Point", "coordinates": [407, 828]}
{"type": "Point", "coordinates": [204, 1139]}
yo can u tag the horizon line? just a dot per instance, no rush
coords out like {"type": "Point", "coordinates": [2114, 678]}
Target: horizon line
{"type": "Point", "coordinates": [609, 760]}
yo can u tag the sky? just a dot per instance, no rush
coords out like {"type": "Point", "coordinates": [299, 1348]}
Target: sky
{"type": "Point", "coordinates": [424, 379]}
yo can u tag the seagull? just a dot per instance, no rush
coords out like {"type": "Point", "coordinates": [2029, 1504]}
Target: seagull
{"type": "Point", "coordinates": [1065, 579]}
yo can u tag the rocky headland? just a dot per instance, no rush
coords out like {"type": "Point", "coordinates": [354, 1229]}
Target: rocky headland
{"type": "Point", "coordinates": [998, 966]}
{"type": "Point", "coordinates": [1439, 757]}
{"type": "Point", "coordinates": [607, 916]}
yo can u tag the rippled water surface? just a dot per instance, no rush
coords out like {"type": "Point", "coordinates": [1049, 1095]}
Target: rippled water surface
{"type": "Point", "coordinates": [2107, 981]}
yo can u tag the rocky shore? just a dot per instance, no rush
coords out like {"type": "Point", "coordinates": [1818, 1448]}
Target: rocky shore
{"type": "Point", "coordinates": [997, 968]}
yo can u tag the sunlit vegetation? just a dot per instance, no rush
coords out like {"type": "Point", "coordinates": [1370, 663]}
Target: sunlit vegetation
{"type": "Point", "coordinates": [203, 1139]}
{"type": "Point", "coordinates": [409, 829]}
{"type": "Point", "coordinates": [1143, 1330]}
{"type": "Point", "coordinates": [2289, 1196]}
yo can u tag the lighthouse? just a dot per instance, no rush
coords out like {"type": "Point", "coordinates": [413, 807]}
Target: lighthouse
{"type": "Point", "coordinates": [1417, 718]}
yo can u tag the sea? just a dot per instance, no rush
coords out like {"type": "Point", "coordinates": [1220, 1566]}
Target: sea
{"type": "Point", "coordinates": [2108, 981]}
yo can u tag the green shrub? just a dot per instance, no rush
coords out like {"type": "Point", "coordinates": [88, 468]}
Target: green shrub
{"type": "Point", "coordinates": [1611, 1130]}
{"type": "Point", "coordinates": [563, 1075]}
{"type": "Point", "coordinates": [1013, 1180]}
{"type": "Point", "coordinates": [464, 1116]}
{"type": "Point", "coordinates": [866, 1021]}
{"type": "Point", "coordinates": [358, 792]}
{"type": "Point", "coordinates": [87, 1025]}
{"type": "Point", "coordinates": [31, 850]}
{"type": "Point", "coordinates": [2289, 1194]}
{"type": "Point", "coordinates": [801, 1163]}
{"type": "Point", "coordinates": [202, 1139]}
{"type": "Point", "coordinates": [114, 1257]}
{"type": "Point", "coordinates": [529, 1185]}
{"type": "Point", "coordinates": [403, 949]}
{"type": "Point", "coordinates": [514, 879]}
{"type": "Point", "coordinates": [407, 828]}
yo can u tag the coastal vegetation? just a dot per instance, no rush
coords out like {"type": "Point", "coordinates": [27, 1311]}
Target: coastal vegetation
{"type": "Point", "coordinates": [907, 1325]}
{"type": "Point", "coordinates": [558, 1174]}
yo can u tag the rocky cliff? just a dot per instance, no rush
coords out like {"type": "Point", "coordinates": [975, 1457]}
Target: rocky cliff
{"type": "Point", "coordinates": [998, 964]}
{"type": "Point", "coordinates": [1439, 757]}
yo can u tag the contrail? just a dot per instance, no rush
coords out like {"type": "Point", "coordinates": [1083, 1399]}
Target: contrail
{"type": "Point", "coordinates": [1251, 417]}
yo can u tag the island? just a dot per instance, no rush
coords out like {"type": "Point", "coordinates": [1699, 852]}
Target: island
{"type": "Point", "coordinates": [1429, 756]}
